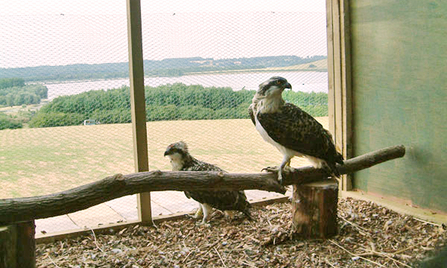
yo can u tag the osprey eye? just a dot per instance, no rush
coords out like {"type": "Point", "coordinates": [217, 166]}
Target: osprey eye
{"type": "Point", "coordinates": [278, 82]}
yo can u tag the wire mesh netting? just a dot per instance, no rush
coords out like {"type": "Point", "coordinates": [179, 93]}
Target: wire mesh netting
{"type": "Point", "coordinates": [65, 116]}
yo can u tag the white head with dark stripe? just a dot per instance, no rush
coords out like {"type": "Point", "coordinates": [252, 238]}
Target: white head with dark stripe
{"type": "Point", "coordinates": [178, 154]}
{"type": "Point", "coordinates": [269, 95]}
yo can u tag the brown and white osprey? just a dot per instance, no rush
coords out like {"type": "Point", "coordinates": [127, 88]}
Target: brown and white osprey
{"type": "Point", "coordinates": [291, 130]}
{"type": "Point", "coordinates": [226, 201]}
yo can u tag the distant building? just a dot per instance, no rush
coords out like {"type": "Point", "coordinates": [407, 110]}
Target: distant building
{"type": "Point", "coordinates": [89, 122]}
{"type": "Point", "coordinates": [204, 62]}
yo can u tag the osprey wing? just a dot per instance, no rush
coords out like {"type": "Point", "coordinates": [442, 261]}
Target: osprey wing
{"type": "Point", "coordinates": [197, 165]}
{"type": "Point", "coordinates": [223, 200]}
{"type": "Point", "coordinates": [202, 166]}
{"type": "Point", "coordinates": [297, 130]}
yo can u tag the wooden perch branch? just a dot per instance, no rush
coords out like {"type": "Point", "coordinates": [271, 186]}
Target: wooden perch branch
{"type": "Point", "coordinates": [82, 197]}
{"type": "Point", "coordinates": [310, 174]}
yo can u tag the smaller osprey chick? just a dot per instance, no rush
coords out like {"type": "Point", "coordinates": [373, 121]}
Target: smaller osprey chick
{"type": "Point", "coordinates": [226, 201]}
{"type": "Point", "coordinates": [291, 130]}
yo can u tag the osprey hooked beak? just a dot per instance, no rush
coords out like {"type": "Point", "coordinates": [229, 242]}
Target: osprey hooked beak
{"type": "Point", "coordinates": [281, 82]}
{"type": "Point", "coordinates": [178, 147]}
{"type": "Point", "coordinates": [170, 150]}
{"type": "Point", "coordinates": [275, 82]}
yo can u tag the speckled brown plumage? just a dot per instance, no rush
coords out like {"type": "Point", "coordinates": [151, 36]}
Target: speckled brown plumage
{"type": "Point", "coordinates": [291, 127]}
{"type": "Point", "coordinates": [222, 200]}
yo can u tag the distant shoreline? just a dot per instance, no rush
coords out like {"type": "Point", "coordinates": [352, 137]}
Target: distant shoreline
{"type": "Point", "coordinates": [266, 70]}
{"type": "Point", "coordinates": [166, 68]}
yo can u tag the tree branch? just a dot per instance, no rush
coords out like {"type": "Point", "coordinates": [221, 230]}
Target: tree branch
{"type": "Point", "coordinates": [85, 196]}
{"type": "Point", "coordinates": [310, 174]}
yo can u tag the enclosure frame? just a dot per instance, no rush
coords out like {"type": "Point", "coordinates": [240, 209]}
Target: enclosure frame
{"type": "Point", "coordinates": [339, 90]}
{"type": "Point", "coordinates": [339, 98]}
{"type": "Point", "coordinates": [138, 103]}
{"type": "Point", "coordinates": [340, 115]}
{"type": "Point", "coordinates": [339, 77]}
{"type": "Point", "coordinates": [339, 105]}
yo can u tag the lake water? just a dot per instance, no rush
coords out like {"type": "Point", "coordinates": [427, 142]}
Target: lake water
{"type": "Point", "coordinates": [301, 81]}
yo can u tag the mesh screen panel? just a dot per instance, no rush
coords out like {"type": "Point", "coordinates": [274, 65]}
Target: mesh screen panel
{"type": "Point", "coordinates": [65, 102]}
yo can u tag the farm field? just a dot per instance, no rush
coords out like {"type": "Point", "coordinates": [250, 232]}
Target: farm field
{"type": "Point", "coordinates": [38, 161]}
{"type": "Point", "coordinates": [318, 66]}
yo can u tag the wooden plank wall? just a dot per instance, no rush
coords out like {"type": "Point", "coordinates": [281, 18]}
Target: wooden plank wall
{"type": "Point", "coordinates": [399, 82]}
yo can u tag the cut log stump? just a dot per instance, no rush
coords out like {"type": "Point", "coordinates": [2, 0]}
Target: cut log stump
{"type": "Point", "coordinates": [8, 246]}
{"type": "Point", "coordinates": [26, 244]}
{"type": "Point", "coordinates": [17, 245]}
{"type": "Point", "coordinates": [314, 210]}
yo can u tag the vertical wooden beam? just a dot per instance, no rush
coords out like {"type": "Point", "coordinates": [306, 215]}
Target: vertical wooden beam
{"type": "Point", "coordinates": [347, 88]}
{"type": "Point", "coordinates": [330, 66]}
{"type": "Point", "coordinates": [339, 72]}
{"type": "Point", "coordinates": [138, 104]}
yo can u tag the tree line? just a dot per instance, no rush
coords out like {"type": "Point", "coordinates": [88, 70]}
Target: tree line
{"type": "Point", "coordinates": [14, 92]}
{"type": "Point", "coordinates": [165, 67]}
{"type": "Point", "coordinates": [7, 122]}
{"type": "Point", "coordinates": [166, 102]}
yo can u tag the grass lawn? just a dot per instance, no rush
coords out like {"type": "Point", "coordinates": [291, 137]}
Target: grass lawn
{"type": "Point", "coordinates": [37, 161]}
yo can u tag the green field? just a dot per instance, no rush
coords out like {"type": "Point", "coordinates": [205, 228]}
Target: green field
{"type": "Point", "coordinates": [314, 66]}
{"type": "Point", "coordinates": [36, 161]}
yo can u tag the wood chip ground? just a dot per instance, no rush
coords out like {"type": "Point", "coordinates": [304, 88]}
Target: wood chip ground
{"type": "Point", "coordinates": [369, 236]}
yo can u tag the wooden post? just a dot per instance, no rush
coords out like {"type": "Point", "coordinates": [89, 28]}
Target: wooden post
{"type": "Point", "coordinates": [138, 102]}
{"type": "Point", "coordinates": [314, 209]}
{"type": "Point", "coordinates": [18, 246]}
{"type": "Point", "coordinates": [8, 243]}
{"type": "Point", "coordinates": [26, 244]}
{"type": "Point", "coordinates": [339, 74]}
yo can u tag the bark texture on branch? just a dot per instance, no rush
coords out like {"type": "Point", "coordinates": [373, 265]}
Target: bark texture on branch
{"type": "Point", "coordinates": [310, 174]}
{"type": "Point", "coordinates": [82, 197]}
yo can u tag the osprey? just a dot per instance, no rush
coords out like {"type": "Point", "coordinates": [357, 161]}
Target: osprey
{"type": "Point", "coordinates": [226, 201]}
{"type": "Point", "coordinates": [291, 130]}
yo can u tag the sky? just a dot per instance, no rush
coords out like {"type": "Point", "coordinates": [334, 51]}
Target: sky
{"type": "Point", "coordinates": [61, 32]}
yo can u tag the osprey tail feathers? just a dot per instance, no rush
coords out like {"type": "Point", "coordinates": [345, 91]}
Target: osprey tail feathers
{"type": "Point", "coordinates": [331, 167]}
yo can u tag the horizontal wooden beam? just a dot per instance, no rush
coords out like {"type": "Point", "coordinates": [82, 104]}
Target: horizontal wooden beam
{"type": "Point", "coordinates": [82, 197]}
